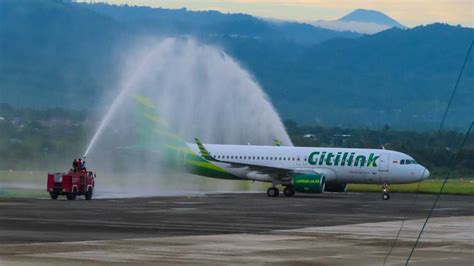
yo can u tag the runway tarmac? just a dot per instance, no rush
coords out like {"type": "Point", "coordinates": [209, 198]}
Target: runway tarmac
{"type": "Point", "coordinates": [327, 229]}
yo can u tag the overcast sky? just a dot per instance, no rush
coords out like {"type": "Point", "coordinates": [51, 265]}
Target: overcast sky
{"type": "Point", "coordinates": [407, 12]}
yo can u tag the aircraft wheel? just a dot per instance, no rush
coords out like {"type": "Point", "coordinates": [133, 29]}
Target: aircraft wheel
{"type": "Point", "coordinates": [273, 192]}
{"type": "Point", "coordinates": [385, 196]}
{"type": "Point", "coordinates": [289, 191]}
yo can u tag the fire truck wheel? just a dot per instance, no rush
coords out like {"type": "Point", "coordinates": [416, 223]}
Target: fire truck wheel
{"type": "Point", "coordinates": [54, 195]}
{"type": "Point", "coordinates": [72, 196]}
{"type": "Point", "coordinates": [89, 194]}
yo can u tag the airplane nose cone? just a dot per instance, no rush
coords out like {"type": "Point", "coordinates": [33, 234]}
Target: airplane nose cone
{"type": "Point", "coordinates": [426, 173]}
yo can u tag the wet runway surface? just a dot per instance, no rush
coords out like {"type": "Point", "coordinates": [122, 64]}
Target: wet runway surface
{"type": "Point", "coordinates": [226, 229]}
{"type": "Point", "coordinates": [25, 221]}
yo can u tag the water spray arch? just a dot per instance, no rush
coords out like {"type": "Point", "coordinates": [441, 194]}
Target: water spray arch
{"type": "Point", "coordinates": [198, 90]}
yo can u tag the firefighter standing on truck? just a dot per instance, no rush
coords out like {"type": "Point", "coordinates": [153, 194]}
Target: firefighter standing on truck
{"type": "Point", "coordinates": [74, 165]}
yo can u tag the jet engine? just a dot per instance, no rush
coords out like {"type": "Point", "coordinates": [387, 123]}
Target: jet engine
{"type": "Point", "coordinates": [309, 183]}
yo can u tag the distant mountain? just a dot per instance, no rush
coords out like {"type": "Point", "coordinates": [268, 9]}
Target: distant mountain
{"type": "Point", "coordinates": [399, 77]}
{"type": "Point", "coordinates": [64, 49]}
{"type": "Point", "coordinates": [371, 16]}
{"type": "Point", "coordinates": [213, 24]}
{"type": "Point", "coordinates": [361, 21]}
{"type": "Point", "coordinates": [54, 53]}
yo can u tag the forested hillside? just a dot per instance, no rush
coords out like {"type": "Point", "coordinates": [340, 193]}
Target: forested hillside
{"type": "Point", "coordinates": [54, 52]}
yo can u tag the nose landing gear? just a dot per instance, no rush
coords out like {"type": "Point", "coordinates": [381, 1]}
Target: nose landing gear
{"type": "Point", "coordinates": [385, 189]}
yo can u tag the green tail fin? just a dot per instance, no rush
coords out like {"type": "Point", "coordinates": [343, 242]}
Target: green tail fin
{"type": "Point", "coordinates": [154, 134]}
{"type": "Point", "coordinates": [205, 154]}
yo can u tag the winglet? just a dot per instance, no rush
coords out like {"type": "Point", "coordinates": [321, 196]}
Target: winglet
{"type": "Point", "coordinates": [205, 154]}
{"type": "Point", "coordinates": [276, 142]}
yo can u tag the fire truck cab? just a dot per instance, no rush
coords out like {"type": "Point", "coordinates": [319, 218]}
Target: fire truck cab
{"type": "Point", "coordinates": [71, 184]}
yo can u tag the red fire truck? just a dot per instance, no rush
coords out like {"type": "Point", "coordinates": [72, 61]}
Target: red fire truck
{"type": "Point", "coordinates": [71, 184]}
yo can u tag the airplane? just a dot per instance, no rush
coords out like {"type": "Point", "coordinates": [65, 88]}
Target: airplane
{"type": "Point", "coordinates": [298, 169]}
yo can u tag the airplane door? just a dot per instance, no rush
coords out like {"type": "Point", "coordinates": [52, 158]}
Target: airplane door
{"type": "Point", "coordinates": [383, 162]}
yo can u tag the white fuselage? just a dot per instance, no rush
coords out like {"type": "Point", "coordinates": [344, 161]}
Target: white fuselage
{"type": "Point", "coordinates": [339, 165]}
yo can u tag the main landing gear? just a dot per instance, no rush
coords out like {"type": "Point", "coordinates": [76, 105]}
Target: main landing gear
{"type": "Point", "coordinates": [289, 191]}
{"type": "Point", "coordinates": [385, 189]}
{"type": "Point", "coordinates": [273, 192]}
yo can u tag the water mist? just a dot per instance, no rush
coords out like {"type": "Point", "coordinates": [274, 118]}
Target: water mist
{"type": "Point", "coordinates": [200, 92]}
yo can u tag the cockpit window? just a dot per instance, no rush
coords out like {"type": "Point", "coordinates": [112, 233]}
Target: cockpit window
{"type": "Point", "coordinates": [408, 161]}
